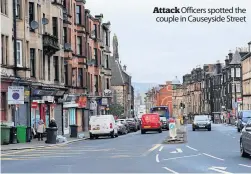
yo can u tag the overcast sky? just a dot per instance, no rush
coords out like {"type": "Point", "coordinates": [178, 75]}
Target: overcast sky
{"type": "Point", "coordinates": [157, 52]}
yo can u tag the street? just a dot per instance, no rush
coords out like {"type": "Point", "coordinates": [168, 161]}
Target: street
{"type": "Point", "coordinates": [215, 151]}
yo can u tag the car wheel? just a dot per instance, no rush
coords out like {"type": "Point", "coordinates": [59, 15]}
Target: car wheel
{"type": "Point", "coordinates": [91, 137]}
{"type": "Point", "coordinates": [142, 131]}
{"type": "Point", "coordinates": [112, 135]}
{"type": "Point", "coordinates": [238, 129]}
{"type": "Point", "coordinates": [160, 131]}
{"type": "Point", "coordinates": [116, 135]}
{"type": "Point", "coordinates": [135, 130]}
{"type": "Point", "coordinates": [242, 150]}
{"type": "Point", "coordinates": [193, 129]}
{"type": "Point", "coordinates": [209, 129]}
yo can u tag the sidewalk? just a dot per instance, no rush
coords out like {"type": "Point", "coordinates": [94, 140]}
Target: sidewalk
{"type": "Point", "coordinates": [35, 144]}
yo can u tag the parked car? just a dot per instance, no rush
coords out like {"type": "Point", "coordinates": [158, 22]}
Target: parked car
{"type": "Point", "coordinates": [123, 121]}
{"type": "Point", "coordinates": [121, 127]}
{"type": "Point", "coordinates": [202, 122]}
{"type": "Point", "coordinates": [165, 123]}
{"type": "Point", "coordinates": [151, 122]}
{"type": "Point", "coordinates": [102, 125]}
{"type": "Point", "coordinates": [132, 124]}
{"type": "Point", "coordinates": [137, 123]}
{"type": "Point", "coordinates": [243, 117]}
{"type": "Point", "coordinates": [245, 140]}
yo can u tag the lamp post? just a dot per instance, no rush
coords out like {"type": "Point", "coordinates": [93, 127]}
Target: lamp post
{"type": "Point", "coordinates": [175, 83]}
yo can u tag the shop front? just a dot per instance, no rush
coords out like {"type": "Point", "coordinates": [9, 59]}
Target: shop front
{"type": "Point", "coordinates": [82, 117]}
{"type": "Point", "coordinates": [5, 110]}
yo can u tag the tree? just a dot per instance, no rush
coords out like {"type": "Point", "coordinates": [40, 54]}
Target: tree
{"type": "Point", "coordinates": [116, 109]}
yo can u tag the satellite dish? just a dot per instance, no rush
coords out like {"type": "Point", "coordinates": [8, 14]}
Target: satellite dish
{"type": "Point", "coordinates": [45, 21]}
{"type": "Point", "coordinates": [34, 25]}
{"type": "Point", "coordinates": [67, 46]}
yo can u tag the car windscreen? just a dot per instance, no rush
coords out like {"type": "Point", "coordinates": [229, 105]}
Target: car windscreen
{"type": "Point", "coordinates": [162, 118]}
{"type": "Point", "coordinates": [201, 118]}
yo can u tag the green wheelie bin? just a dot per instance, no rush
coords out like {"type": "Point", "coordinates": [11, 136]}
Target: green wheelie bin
{"type": "Point", "coordinates": [21, 134]}
{"type": "Point", "coordinates": [5, 134]}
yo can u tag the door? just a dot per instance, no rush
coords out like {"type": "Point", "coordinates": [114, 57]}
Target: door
{"type": "Point", "coordinates": [22, 115]}
{"type": "Point", "coordinates": [66, 121]}
{"type": "Point", "coordinates": [247, 137]}
{"type": "Point", "coordinates": [58, 117]}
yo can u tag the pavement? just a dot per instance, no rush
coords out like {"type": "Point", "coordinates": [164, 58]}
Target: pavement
{"type": "Point", "coordinates": [215, 151]}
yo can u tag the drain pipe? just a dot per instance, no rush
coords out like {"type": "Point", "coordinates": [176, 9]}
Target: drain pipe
{"type": "Point", "coordinates": [15, 37]}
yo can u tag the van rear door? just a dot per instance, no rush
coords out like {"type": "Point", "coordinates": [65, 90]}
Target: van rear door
{"type": "Point", "coordinates": [100, 123]}
{"type": "Point", "coordinates": [151, 121]}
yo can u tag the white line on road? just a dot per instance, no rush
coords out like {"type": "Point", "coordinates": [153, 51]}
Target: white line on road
{"type": "Point", "coordinates": [182, 157]}
{"type": "Point", "coordinates": [213, 156]}
{"type": "Point", "coordinates": [179, 150]}
{"type": "Point", "coordinates": [157, 158]}
{"type": "Point", "coordinates": [160, 149]}
{"type": "Point", "coordinates": [170, 170]}
{"type": "Point", "coordinates": [191, 148]}
{"type": "Point", "coordinates": [218, 170]}
{"type": "Point", "coordinates": [245, 165]}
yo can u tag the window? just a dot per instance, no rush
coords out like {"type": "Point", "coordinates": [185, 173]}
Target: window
{"type": "Point", "coordinates": [95, 30]}
{"type": "Point", "coordinates": [40, 61]}
{"type": "Point", "coordinates": [39, 18]}
{"type": "Point", "coordinates": [96, 83]}
{"type": "Point", "coordinates": [4, 49]}
{"type": "Point", "coordinates": [44, 25]}
{"type": "Point", "coordinates": [107, 61]}
{"type": "Point", "coordinates": [65, 34]}
{"type": "Point", "coordinates": [78, 14]}
{"type": "Point", "coordinates": [55, 26]}
{"type": "Point", "coordinates": [49, 69]}
{"type": "Point", "coordinates": [238, 72]}
{"type": "Point", "coordinates": [232, 72]}
{"type": "Point", "coordinates": [107, 38]}
{"type": "Point", "coordinates": [238, 87]}
{"type": "Point", "coordinates": [95, 51]}
{"type": "Point", "coordinates": [4, 6]}
{"type": "Point", "coordinates": [62, 69]}
{"type": "Point", "coordinates": [19, 54]}
{"type": "Point", "coordinates": [55, 64]}
{"type": "Point", "coordinates": [80, 77]}
{"type": "Point", "coordinates": [18, 9]}
{"type": "Point", "coordinates": [65, 72]}
{"type": "Point", "coordinates": [31, 14]}
{"type": "Point", "coordinates": [32, 62]}
{"type": "Point", "coordinates": [3, 106]}
{"type": "Point", "coordinates": [79, 45]}
{"type": "Point", "coordinates": [107, 84]}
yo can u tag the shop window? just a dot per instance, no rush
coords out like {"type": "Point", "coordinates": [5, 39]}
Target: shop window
{"type": "Point", "coordinates": [3, 106]}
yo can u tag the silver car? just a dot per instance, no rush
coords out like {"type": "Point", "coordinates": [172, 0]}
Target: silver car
{"type": "Point", "coordinates": [245, 140]}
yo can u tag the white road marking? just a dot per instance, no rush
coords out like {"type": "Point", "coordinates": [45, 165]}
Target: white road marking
{"type": "Point", "coordinates": [233, 137]}
{"type": "Point", "coordinates": [181, 157]}
{"type": "Point", "coordinates": [213, 156]}
{"type": "Point", "coordinates": [219, 169]}
{"type": "Point", "coordinates": [191, 148]}
{"type": "Point", "coordinates": [160, 149]}
{"type": "Point", "coordinates": [157, 158]}
{"type": "Point", "coordinates": [245, 165]}
{"type": "Point", "coordinates": [170, 170]}
{"type": "Point", "coordinates": [179, 150]}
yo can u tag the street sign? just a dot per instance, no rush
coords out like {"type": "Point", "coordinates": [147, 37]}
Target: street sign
{"type": "Point", "coordinates": [34, 105]}
{"type": "Point", "coordinates": [172, 130]}
{"type": "Point", "coordinates": [15, 95]}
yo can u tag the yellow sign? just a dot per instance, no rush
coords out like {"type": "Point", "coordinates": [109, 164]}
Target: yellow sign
{"type": "Point", "coordinates": [27, 93]}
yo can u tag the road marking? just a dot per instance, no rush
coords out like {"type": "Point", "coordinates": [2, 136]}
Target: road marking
{"type": "Point", "coordinates": [233, 137]}
{"type": "Point", "coordinates": [157, 158]}
{"type": "Point", "coordinates": [179, 150]}
{"type": "Point", "coordinates": [191, 148]}
{"type": "Point", "coordinates": [170, 170]}
{"type": "Point", "coordinates": [213, 156]}
{"type": "Point", "coordinates": [19, 151]}
{"type": "Point", "coordinates": [154, 147]}
{"type": "Point", "coordinates": [219, 169]}
{"type": "Point", "coordinates": [182, 157]}
{"type": "Point", "coordinates": [245, 165]}
{"type": "Point", "coordinates": [160, 149]}
{"type": "Point", "coordinates": [120, 156]}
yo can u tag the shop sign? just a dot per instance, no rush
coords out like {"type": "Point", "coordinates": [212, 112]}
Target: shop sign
{"type": "Point", "coordinates": [82, 101]}
{"type": "Point", "coordinates": [40, 92]}
{"type": "Point", "coordinates": [59, 93]}
{"type": "Point", "coordinates": [104, 101]}
{"type": "Point", "coordinates": [15, 95]}
{"type": "Point", "coordinates": [48, 98]}
{"type": "Point", "coordinates": [34, 105]}
{"type": "Point", "coordinates": [239, 100]}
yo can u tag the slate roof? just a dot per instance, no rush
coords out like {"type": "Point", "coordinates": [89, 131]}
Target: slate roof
{"type": "Point", "coordinates": [237, 57]}
{"type": "Point", "coordinates": [117, 76]}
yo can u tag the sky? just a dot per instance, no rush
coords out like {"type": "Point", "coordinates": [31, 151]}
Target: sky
{"type": "Point", "coordinates": [157, 52]}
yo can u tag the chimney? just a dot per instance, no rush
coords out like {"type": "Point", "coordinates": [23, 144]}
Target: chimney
{"type": "Point", "coordinates": [226, 61]}
{"type": "Point", "coordinates": [249, 46]}
{"type": "Point", "coordinates": [124, 67]}
{"type": "Point", "coordinates": [230, 55]}
{"type": "Point", "coordinates": [218, 67]}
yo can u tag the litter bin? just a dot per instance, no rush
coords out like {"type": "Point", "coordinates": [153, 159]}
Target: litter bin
{"type": "Point", "coordinates": [5, 134]}
{"type": "Point", "coordinates": [51, 135]}
{"type": "Point", "coordinates": [21, 134]}
{"type": "Point", "coordinates": [74, 131]}
{"type": "Point", "coordinates": [13, 135]}
{"type": "Point", "coordinates": [28, 134]}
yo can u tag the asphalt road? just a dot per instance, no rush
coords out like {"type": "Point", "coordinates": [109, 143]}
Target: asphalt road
{"type": "Point", "coordinates": [216, 151]}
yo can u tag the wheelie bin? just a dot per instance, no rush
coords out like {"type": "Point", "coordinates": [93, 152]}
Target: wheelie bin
{"type": "Point", "coordinates": [21, 134]}
{"type": "Point", "coordinates": [13, 135]}
{"type": "Point", "coordinates": [5, 134]}
{"type": "Point", "coordinates": [74, 131]}
{"type": "Point", "coordinates": [51, 135]}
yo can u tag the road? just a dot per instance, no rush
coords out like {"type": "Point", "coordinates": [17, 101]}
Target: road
{"type": "Point", "coordinates": [205, 152]}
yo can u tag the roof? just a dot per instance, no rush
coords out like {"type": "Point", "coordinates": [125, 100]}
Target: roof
{"type": "Point", "coordinates": [117, 77]}
{"type": "Point", "coordinates": [246, 56]}
{"type": "Point", "coordinates": [237, 57]}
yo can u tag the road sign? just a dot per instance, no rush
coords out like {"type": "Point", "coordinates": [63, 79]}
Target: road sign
{"type": "Point", "coordinates": [15, 95]}
{"type": "Point", "coordinates": [172, 130]}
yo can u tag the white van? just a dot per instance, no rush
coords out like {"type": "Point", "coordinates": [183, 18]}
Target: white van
{"type": "Point", "coordinates": [102, 125]}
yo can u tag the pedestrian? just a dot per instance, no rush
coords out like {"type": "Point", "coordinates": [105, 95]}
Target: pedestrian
{"type": "Point", "coordinates": [53, 123]}
{"type": "Point", "coordinates": [40, 130]}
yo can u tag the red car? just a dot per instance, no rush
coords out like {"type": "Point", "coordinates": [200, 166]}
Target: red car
{"type": "Point", "coordinates": [151, 122]}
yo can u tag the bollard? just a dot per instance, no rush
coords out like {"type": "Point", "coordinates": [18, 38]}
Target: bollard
{"type": "Point", "coordinates": [178, 124]}
{"type": "Point", "coordinates": [172, 129]}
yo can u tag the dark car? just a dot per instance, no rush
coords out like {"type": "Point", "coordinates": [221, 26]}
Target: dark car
{"type": "Point", "coordinates": [132, 124]}
{"type": "Point", "coordinates": [165, 123]}
{"type": "Point", "coordinates": [124, 122]}
{"type": "Point", "coordinates": [243, 117]}
{"type": "Point", "coordinates": [245, 140]}
{"type": "Point", "coordinates": [121, 127]}
{"type": "Point", "coordinates": [201, 122]}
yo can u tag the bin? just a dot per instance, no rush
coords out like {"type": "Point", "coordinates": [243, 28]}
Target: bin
{"type": "Point", "coordinates": [74, 131]}
{"type": "Point", "coordinates": [5, 134]}
{"type": "Point", "coordinates": [28, 134]}
{"type": "Point", "coordinates": [51, 135]}
{"type": "Point", "coordinates": [13, 135]}
{"type": "Point", "coordinates": [21, 134]}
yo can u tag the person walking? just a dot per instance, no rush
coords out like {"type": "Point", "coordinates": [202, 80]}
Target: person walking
{"type": "Point", "coordinates": [40, 130]}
